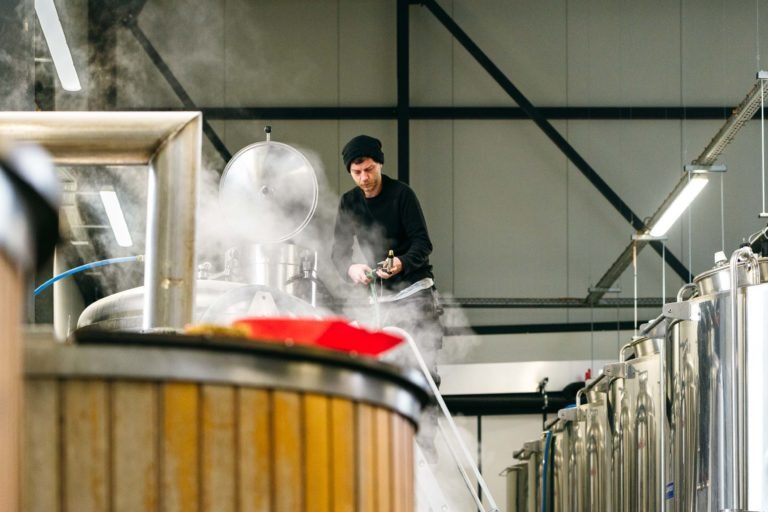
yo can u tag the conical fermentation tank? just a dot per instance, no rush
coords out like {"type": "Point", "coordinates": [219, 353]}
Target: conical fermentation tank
{"type": "Point", "coordinates": [557, 491]}
{"type": "Point", "coordinates": [574, 424]}
{"type": "Point", "coordinates": [721, 443]}
{"type": "Point", "coordinates": [517, 487]}
{"type": "Point", "coordinates": [531, 455]}
{"type": "Point", "coordinates": [645, 421]}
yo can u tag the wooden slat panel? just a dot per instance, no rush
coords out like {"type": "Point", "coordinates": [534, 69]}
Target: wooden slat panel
{"type": "Point", "coordinates": [40, 491]}
{"type": "Point", "coordinates": [366, 440]}
{"type": "Point", "coordinates": [179, 444]}
{"type": "Point", "coordinates": [287, 463]}
{"type": "Point", "coordinates": [218, 464]}
{"type": "Point", "coordinates": [399, 486]}
{"type": "Point", "coordinates": [10, 383]}
{"type": "Point", "coordinates": [409, 469]}
{"type": "Point", "coordinates": [135, 461]}
{"type": "Point", "coordinates": [86, 468]}
{"type": "Point", "coordinates": [383, 445]}
{"type": "Point", "coordinates": [254, 450]}
{"type": "Point", "coordinates": [343, 455]}
{"type": "Point", "coordinates": [317, 460]}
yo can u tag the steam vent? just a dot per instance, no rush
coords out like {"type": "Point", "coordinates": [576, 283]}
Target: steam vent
{"type": "Point", "coordinates": [383, 256]}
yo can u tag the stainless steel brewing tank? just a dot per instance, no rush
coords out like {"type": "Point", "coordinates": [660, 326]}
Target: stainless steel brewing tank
{"type": "Point", "coordinates": [517, 487]}
{"type": "Point", "coordinates": [707, 434]}
{"type": "Point", "coordinates": [215, 301]}
{"type": "Point", "coordinates": [558, 486]}
{"type": "Point", "coordinates": [645, 416]}
{"type": "Point", "coordinates": [623, 449]}
{"type": "Point", "coordinates": [575, 423]}
{"type": "Point", "coordinates": [278, 266]}
{"type": "Point", "coordinates": [598, 443]}
{"type": "Point", "coordinates": [531, 455]}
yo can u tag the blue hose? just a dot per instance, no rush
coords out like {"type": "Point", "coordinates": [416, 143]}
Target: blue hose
{"type": "Point", "coordinates": [100, 263]}
{"type": "Point", "coordinates": [547, 442]}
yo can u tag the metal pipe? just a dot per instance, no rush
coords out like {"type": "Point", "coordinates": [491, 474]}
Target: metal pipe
{"type": "Point", "coordinates": [172, 143]}
{"type": "Point", "coordinates": [651, 324]}
{"type": "Point", "coordinates": [623, 352]}
{"type": "Point", "coordinates": [685, 288]}
{"type": "Point", "coordinates": [169, 278]}
{"type": "Point", "coordinates": [733, 465]}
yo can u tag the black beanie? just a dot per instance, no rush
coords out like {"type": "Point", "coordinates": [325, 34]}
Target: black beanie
{"type": "Point", "coordinates": [362, 146]}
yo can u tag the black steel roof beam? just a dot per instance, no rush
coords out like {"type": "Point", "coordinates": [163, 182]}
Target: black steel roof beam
{"type": "Point", "coordinates": [552, 303]}
{"type": "Point", "coordinates": [624, 113]}
{"type": "Point", "coordinates": [549, 130]}
{"type": "Point", "coordinates": [622, 325]}
{"type": "Point", "coordinates": [131, 23]}
{"type": "Point", "coordinates": [533, 113]}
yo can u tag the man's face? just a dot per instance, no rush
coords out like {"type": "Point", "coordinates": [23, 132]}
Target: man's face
{"type": "Point", "coordinates": [367, 176]}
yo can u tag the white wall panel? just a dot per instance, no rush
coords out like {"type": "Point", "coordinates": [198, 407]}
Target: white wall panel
{"type": "Point", "coordinates": [367, 52]}
{"type": "Point", "coordinates": [505, 197]}
{"type": "Point", "coordinates": [526, 40]}
{"type": "Point", "coordinates": [431, 58]}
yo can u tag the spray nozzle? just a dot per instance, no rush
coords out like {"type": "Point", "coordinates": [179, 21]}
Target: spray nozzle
{"type": "Point", "coordinates": [388, 263]}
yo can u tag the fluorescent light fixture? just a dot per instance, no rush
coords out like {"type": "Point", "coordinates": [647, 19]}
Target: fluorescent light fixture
{"type": "Point", "coordinates": [57, 44]}
{"type": "Point", "coordinates": [116, 218]}
{"type": "Point", "coordinates": [680, 203]}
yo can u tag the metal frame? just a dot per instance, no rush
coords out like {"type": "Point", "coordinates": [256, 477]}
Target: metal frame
{"type": "Point", "coordinates": [171, 144]}
{"type": "Point", "coordinates": [745, 111]}
{"type": "Point", "coordinates": [403, 112]}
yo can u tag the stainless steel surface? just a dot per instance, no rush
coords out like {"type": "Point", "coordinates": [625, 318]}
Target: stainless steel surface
{"type": "Point", "coordinates": [265, 365]}
{"type": "Point", "coordinates": [269, 192]}
{"type": "Point", "coordinates": [171, 143]}
{"type": "Point", "coordinates": [531, 454]}
{"type": "Point", "coordinates": [734, 389]}
{"type": "Point", "coordinates": [517, 482]}
{"type": "Point", "coordinates": [577, 461]}
{"type": "Point", "coordinates": [598, 447]}
{"type": "Point", "coordinates": [272, 265]}
{"type": "Point", "coordinates": [169, 273]}
{"type": "Point", "coordinates": [123, 311]}
{"type": "Point", "coordinates": [560, 446]}
{"type": "Point", "coordinates": [96, 138]}
{"type": "Point", "coordinates": [647, 417]}
{"type": "Point", "coordinates": [219, 302]}
{"type": "Point", "coordinates": [756, 399]}
{"type": "Point", "coordinates": [718, 279]}
{"type": "Point", "coordinates": [620, 420]}
{"type": "Point", "coordinates": [685, 412]}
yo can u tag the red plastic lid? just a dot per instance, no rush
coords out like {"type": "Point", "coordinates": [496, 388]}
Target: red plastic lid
{"type": "Point", "coordinates": [332, 333]}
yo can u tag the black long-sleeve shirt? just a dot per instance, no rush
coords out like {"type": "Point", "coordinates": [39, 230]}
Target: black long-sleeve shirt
{"type": "Point", "coordinates": [391, 220]}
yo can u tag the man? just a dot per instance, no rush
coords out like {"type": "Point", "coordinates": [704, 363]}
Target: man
{"type": "Point", "coordinates": [384, 215]}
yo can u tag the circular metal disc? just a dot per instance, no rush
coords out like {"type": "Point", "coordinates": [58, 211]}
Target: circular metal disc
{"type": "Point", "coordinates": [269, 191]}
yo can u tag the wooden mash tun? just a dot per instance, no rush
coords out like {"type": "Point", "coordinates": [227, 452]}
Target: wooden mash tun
{"type": "Point", "coordinates": [163, 421]}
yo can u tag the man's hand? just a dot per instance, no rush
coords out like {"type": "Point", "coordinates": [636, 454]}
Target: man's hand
{"type": "Point", "coordinates": [395, 268]}
{"type": "Point", "coordinates": [357, 273]}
